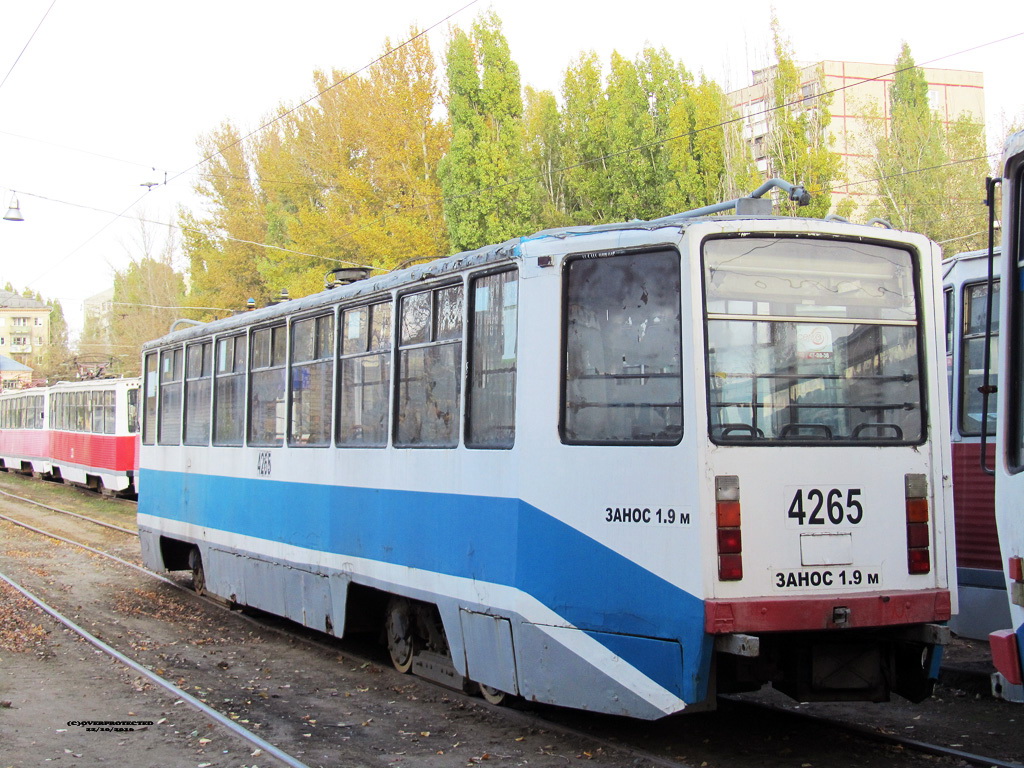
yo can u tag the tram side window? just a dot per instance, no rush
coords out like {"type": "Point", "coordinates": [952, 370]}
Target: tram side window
{"type": "Point", "coordinates": [267, 396]}
{"type": "Point", "coordinates": [365, 376]}
{"type": "Point", "coordinates": [98, 413]}
{"type": "Point", "coordinates": [229, 391]}
{"type": "Point", "coordinates": [623, 380]}
{"type": "Point", "coordinates": [1015, 419]}
{"type": "Point", "coordinates": [491, 402]}
{"type": "Point", "coordinates": [109, 412]}
{"type": "Point", "coordinates": [430, 364]}
{"type": "Point", "coordinates": [947, 304]}
{"type": "Point", "coordinates": [171, 370]}
{"type": "Point", "coordinates": [133, 410]}
{"type": "Point", "coordinates": [84, 412]}
{"type": "Point", "coordinates": [198, 390]}
{"type": "Point", "coordinates": [972, 367]}
{"type": "Point", "coordinates": [149, 408]}
{"type": "Point", "coordinates": [312, 379]}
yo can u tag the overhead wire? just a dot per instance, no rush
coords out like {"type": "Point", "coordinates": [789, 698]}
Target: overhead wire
{"type": "Point", "coordinates": [688, 134]}
{"type": "Point", "coordinates": [27, 43]}
{"type": "Point", "coordinates": [331, 87]}
{"type": "Point", "coordinates": [611, 155]}
{"type": "Point", "coordinates": [171, 225]}
{"type": "Point", "coordinates": [243, 138]}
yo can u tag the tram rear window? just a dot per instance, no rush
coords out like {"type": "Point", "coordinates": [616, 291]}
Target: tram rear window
{"type": "Point", "coordinates": [811, 341]}
{"type": "Point", "coordinates": [622, 382]}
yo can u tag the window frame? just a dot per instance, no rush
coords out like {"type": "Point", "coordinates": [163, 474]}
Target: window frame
{"type": "Point", "coordinates": [234, 374]}
{"type": "Point", "coordinates": [924, 375]}
{"type": "Point", "coordinates": [281, 436]}
{"type": "Point", "coordinates": [962, 341]}
{"type": "Point", "coordinates": [177, 352]}
{"type": "Point", "coordinates": [470, 358]}
{"type": "Point", "coordinates": [389, 364]}
{"type": "Point", "coordinates": [329, 357]}
{"type": "Point", "coordinates": [432, 342]}
{"type": "Point", "coordinates": [206, 366]}
{"type": "Point", "coordinates": [563, 405]}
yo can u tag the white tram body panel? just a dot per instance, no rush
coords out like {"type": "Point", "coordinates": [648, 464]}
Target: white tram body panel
{"type": "Point", "coordinates": [1008, 644]}
{"type": "Point", "coordinates": [576, 571]}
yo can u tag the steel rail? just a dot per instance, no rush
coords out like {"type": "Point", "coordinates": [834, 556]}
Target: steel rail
{"type": "Point", "coordinates": [864, 731]}
{"type": "Point", "coordinates": [885, 738]}
{"type": "Point", "coordinates": [207, 710]}
{"type": "Point", "coordinates": [95, 551]}
{"type": "Point", "coordinates": [66, 512]}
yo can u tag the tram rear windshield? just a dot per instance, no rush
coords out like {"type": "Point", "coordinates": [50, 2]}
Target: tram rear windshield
{"type": "Point", "coordinates": [811, 340]}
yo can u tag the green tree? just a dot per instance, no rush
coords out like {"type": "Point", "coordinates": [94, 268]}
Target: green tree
{"type": "Point", "coordinates": [929, 172]}
{"type": "Point", "coordinates": [55, 364]}
{"type": "Point", "coordinates": [545, 150]}
{"type": "Point", "coordinates": [619, 163]}
{"type": "Point", "coordinates": [707, 157]}
{"type": "Point", "coordinates": [587, 145]}
{"type": "Point", "coordinates": [798, 143]}
{"type": "Point", "coordinates": [487, 197]}
{"type": "Point", "coordinates": [148, 296]}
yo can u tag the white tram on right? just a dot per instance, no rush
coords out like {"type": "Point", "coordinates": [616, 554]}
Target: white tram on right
{"type": "Point", "coordinates": [969, 337]}
{"type": "Point", "coordinates": [1008, 644]}
{"type": "Point", "coordinates": [619, 468]}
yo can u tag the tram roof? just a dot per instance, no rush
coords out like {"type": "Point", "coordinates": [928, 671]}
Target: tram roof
{"type": "Point", "coordinates": [496, 254]}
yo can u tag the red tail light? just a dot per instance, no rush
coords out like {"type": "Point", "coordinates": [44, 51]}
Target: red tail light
{"type": "Point", "coordinates": [919, 558]}
{"type": "Point", "coordinates": [727, 520]}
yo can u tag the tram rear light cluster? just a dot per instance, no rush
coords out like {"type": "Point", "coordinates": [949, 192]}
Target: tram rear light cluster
{"type": "Point", "coordinates": [918, 537]}
{"type": "Point", "coordinates": [727, 522]}
{"type": "Point", "coordinates": [1016, 569]}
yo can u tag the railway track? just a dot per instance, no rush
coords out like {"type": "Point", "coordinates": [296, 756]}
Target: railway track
{"type": "Point", "coordinates": [600, 736]}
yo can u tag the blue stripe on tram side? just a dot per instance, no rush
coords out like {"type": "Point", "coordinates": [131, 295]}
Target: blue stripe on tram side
{"type": "Point", "coordinates": [495, 540]}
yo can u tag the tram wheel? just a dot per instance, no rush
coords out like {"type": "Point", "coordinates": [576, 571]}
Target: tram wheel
{"type": "Point", "coordinates": [401, 640]}
{"type": "Point", "coordinates": [492, 695]}
{"type": "Point", "coordinates": [198, 573]}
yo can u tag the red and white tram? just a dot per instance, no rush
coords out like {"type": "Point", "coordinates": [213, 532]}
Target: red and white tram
{"type": "Point", "coordinates": [84, 433]}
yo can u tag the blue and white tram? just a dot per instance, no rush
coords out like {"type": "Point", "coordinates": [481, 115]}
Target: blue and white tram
{"type": "Point", "coordinates": [617, 468]}
{"type": "Point", "coordinates": [1007, 645]}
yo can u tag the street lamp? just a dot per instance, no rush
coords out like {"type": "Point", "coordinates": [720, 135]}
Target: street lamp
{"type": "Point", "coordinates": [14, 212]}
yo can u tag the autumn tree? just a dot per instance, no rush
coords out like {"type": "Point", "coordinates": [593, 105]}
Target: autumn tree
{"type": "Point", "coordinates": [485, 176]}
{"type": "Point", "coordinates": [929, 173]}
{"type": "Point", "coordinates": [347, 178]}
{"type": "Point", "coordinates": [223, 248]}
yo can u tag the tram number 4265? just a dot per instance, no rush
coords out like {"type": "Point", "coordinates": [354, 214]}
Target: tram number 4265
{"type": "Point", "coordinates": [820, 506]}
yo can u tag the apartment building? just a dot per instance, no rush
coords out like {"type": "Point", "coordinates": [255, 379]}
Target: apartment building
{"type": "Point", "coordinates": [860, 99]}
{"type": "Point", "coordinates": [24, 328]}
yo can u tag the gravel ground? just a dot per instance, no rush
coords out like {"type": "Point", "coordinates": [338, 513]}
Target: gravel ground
{"type": "Point", "coordinates": [340, 704]}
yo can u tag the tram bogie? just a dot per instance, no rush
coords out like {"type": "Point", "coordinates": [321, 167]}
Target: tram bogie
{"type": "Point", "coordinates": [615, 468]}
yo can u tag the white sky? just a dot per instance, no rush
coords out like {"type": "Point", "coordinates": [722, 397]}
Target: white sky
{"type": "Point", "coordinates": [133, 84]}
